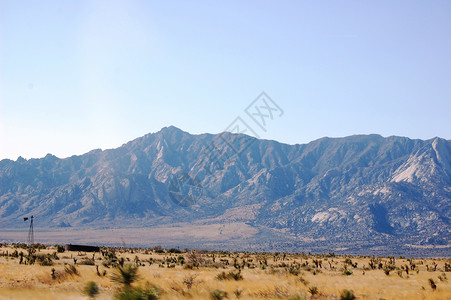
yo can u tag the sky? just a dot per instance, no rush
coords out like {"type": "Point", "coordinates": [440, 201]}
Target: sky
{"type": "Point", "coordinates": [82, 75]}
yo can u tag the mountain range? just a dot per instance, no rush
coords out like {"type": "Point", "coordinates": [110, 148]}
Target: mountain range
{"type": "Point", "coordinates": [362, 193]}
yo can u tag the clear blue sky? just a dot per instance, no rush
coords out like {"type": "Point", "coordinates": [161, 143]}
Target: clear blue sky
{"type": "Point", "coordinates": [79, 75]}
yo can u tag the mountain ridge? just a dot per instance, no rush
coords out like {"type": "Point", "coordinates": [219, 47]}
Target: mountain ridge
{"type": "Point", "coordinates": [362, 189]}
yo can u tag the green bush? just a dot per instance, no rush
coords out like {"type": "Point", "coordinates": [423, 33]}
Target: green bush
{"type": "Point", "coordinates": [294, 270]}
{"type": "Point", "coordinates": [91, 289]}
{"type": "Point", "coordinates": [347, 272]}
{"type": "Point", "coordinates": [388, 268]}
{"type": "Point", "coordinates": [218, 295]}
{"type": "Point", "coordinates": [238, 293]}
{"type": "Point", "coordinates": [298, 296]}
{"type": "Point", "coordinates": [46, 262]}
{"type": "Point", "coordinates": [174, 250]}
{"type": "Point", "coordinates": [347, 295]}
{"type": "Point", "coordinates": [229, 276]}
{"type": "Point", "coordinates": [125, 275]}
{"type": "Point", "coordinates": [136, 293]}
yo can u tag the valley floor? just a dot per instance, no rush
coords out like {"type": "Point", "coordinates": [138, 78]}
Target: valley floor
{"type": "Point", "coordinates": [196, 275]}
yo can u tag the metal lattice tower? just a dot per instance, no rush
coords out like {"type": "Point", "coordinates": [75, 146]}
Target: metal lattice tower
{"type": "Point", "coordinates": [30, 239]}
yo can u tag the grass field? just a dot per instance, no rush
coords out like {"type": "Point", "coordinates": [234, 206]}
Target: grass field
{"type": "Point", "coordinates": [196, 275]}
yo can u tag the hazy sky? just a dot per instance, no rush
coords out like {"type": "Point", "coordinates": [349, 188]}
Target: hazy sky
{"type": "Point", "coordinates": [80, 75]}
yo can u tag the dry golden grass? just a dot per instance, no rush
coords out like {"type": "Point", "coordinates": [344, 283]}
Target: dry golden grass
{"type": "Point", "coordinates": [20, 281]}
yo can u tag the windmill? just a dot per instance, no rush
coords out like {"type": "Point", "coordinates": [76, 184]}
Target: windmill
{"type": "Point", "coordinates": [30, 239]}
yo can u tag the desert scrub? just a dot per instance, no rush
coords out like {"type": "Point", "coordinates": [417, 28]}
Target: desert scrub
{"type": "Point", "coordinates": [71, 270]}
{"type": "Point", "coordinates": [294, 269]}
{"type": "Point", "coordinates": [230, 276]}
{"type": "Point", "coordinates": [149, 292]}
{"type": "Point", "coordinates": [313, 290]}
{"type": "Point", "coordinates": [347, 272]}
{"type": "Point", "coordinates": [91, 289]}
{"type": "Point", "coordinates": [388, 268]}
{"type": "Point", "coordinates": [238, 293]}
{"type": "Point", "coordinates": [87, 262]}
{"type": "Point", "coordinates": [347, 295]}
{"type": "Point", "coordinates": [44, 260]}
{"type": "Point", "coordinates": [432, 284]}
{"type": "Point", "coordinates": [298, 296]}
{"type": "Point", "coordinates": [189, 281]}
{"type": "Point", "coordinates": [125, 275]}
{"type": "Point", "coordinates": [218, 294]}
{"type": "Point", "coordinates": [128, 274]}
{"type": "Point", "coordinates": [303, 280]}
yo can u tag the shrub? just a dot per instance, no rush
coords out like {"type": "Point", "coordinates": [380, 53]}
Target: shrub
{"type": "Point", "coordinates": [294, 270]}
{"type": "Point", "coordinates": [58, 274]}
{"type": "Point", "coordinates": [347, 295]}
{"type": "Point", "coordinates": [238, 293]}
{"type": "Point", "coordinates": [195, 258]}
{"type": "Point", "coordinates": [71, 270]}
{"type": "Point", "coordinates": [174, 250]}
{"type": "Point", "coordinates": [60, 249]}
{"type": "Point", "coordinates": [125, 275]}
{"type": "Point", "coordinates": [432, 283]}
{"type": "Point", "coordinates": [229, 276]}
{"type": "Point", "coordinates": [298, 296]}
{"type": "Point", "coordinates": [150, 292]}
{"type": "Point", "coordinates": [442, 277]}
{"type": "Point", "coordinates": [313, 291]}
{"type": "Point", "coordinates": [447, 267]}
{"type": "Point", "coordinates": [87, 261]}
{"type": "Point", "coordinates": [347, 272]}
{"type": "Point", "coordinates": [218, 295]}
{"type": "Point", "coordinates": [54, 256]}
{"type": "Point", "coordinates": [388, 268]}
{"type": "Point", "coordinates": [46, 262]}
{"type": "Point", "coordinates": [189, 281]}
{"type": "Point", "coordinates": [91, 289]}
{"type": "Point", "coordinates": [303, 280]}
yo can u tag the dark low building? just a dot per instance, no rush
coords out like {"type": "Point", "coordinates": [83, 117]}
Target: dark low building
{"type": "Point", "coordinates": [84, 248]}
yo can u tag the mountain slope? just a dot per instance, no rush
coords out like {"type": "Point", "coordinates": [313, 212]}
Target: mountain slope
{"type": "Point", "coordinates": [362, 189]}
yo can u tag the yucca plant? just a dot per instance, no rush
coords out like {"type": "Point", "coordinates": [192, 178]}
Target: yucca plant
{"type": "Point", "coordinates": [125, 275]}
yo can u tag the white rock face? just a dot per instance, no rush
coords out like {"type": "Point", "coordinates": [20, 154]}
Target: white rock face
{"type": "Point", "coordinates": [422, 166]}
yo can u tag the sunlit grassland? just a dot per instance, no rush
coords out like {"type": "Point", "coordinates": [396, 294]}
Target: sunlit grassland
{"type": "Point", "coordinates": [194, 275]}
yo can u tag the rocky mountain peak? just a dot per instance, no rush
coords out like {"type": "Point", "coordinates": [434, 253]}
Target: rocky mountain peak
{"type": "Point", "coordinates": [363, 189]}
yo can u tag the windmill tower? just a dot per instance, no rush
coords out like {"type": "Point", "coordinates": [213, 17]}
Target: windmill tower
{"type": "Point", "coordinates": [30, 239]}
